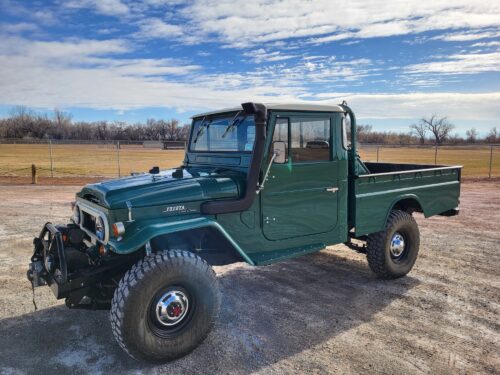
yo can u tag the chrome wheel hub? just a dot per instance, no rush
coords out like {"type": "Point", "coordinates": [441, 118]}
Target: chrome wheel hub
{"type": "Point", "coordinates": [397, 245]}
{"type": "Point", "coordinates": [171, 308]}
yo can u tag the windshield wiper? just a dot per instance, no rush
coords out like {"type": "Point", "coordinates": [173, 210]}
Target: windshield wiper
{"type": "Point", "coordinates": [234, 123]}
{"type": "Point", "coordinates": [202, 129]}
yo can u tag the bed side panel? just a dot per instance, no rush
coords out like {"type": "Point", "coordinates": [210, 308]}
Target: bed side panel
{"type": "Point", "coordinates": [436, 191]}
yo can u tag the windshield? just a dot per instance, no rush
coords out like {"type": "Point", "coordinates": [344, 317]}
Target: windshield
{"type": "Point", "coordinates": [224, 133]}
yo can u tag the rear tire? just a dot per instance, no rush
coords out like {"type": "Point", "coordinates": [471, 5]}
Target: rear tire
{"type": "Point", "coordinates": [392, 252]}
{"type": "Point", "coordinates": [165, 306]}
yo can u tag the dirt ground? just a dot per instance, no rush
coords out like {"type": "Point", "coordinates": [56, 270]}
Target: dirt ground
{"type": "Point", "coordinates": [320, 313]}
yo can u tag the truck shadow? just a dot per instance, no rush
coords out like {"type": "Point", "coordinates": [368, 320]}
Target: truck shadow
{"type": "Point", "coordinates": [268, 314]}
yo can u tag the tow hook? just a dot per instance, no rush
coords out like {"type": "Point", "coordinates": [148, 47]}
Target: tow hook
{"type": "Point", "coordinates": [34, 274]}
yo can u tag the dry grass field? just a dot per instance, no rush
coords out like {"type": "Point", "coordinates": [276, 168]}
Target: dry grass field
{"type": "Point", "coordinates": [102, 160]}
{"type": "Point", "coordinates": [475, 160]}
{"type": "Point", "coordinates": [84, 160]}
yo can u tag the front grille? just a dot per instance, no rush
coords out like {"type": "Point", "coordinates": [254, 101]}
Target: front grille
{"type": "Point", "coordinates": [92, 198]}
{"type": "Point", "coordinates": [88, 222]}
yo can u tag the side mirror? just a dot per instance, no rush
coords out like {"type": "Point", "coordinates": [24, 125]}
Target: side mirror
{"type": "Point", "coordinates": [279, 149]}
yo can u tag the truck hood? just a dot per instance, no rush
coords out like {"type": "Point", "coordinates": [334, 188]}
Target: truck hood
{"type": "Point", "coordinates": [156, 189]}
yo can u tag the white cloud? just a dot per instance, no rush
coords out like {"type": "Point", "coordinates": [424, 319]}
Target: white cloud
{"type": "Point", "coordinates": [37, 12]}
{"type": "Point", "coordinates": [85, 54]}
{"type": "Point", "coordinates": [487, 44]}
{"type": "Point", "coordinates": [60, 53]}
{"type": "Point", "coordinates": [16, 28]}
{"type": "Point", "coordinates": [467, 36]}
{"type": "Point", "coordinates": [160, 3]}
{"type": "Point", "coordinates": [240, 23]}
{"type": "Point", "coordinates": [150, 67]}
{"type": "Point", "coordinates": [261, 55]}
{"type": "Point", "coordinates": [30, 75]}
{"type": "Point", "coordinates": [156, 28]}
{"type": "Point", "coordinates": [107, 7]}
{"type": "Point", "coordinates": [472, 63]}
{"type": "Point", "coordinates": [95, 74]}
{"type": "Point", "coordinates": [466, 106]}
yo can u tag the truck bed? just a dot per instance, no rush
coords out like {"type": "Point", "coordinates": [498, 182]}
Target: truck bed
{"type": "Point", "coordinates": [379, 187]}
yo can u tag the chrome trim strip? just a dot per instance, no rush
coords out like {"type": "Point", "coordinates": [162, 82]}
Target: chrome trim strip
{"type": "Point", "coordinates": [409, 171]}
{"type": "Point", "coordinates": [96, 213]}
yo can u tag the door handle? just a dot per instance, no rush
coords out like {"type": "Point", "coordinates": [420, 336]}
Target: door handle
{"type": "Point", "coordinates": [332, 189]}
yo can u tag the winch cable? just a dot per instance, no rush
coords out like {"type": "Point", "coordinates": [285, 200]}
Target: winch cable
{"type": "Point", "coordinates": [33, 290]}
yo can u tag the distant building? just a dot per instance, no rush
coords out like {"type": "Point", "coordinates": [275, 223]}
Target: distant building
{"type": "Point", "coordinates": [165, 145]}
{"type": "Point", "coordinates": [154, 144]}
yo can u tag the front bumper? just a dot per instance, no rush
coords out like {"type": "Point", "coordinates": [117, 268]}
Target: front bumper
{"type": "Point", "coordinates": [74, 271]}
{"type": "Point", "coordinates": [48, 264]}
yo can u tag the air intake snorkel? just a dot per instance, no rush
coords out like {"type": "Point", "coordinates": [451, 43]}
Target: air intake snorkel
{"type": "Point", "coordinates": [353, 150]}
{"type": "Point", "coordinates": [259, 112]}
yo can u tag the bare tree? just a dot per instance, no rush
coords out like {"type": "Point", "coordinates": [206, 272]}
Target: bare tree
{"type": "Point", "coordinates": [62, 123]}
{"type": "Point", "coordinates": [21, 121]}
{"type": "Point", "coordinates": [471, 135]}
{"type": "Point", "coordinates": [440, 127]}
{"type": "Point", "coordinates": [362, 132]}
{"type": "Point", "coordinates": [420, 130]}
{"type": "Point", "coordinates": [492, 136]}
{"type": "Point", "coordinates": [61, 118]}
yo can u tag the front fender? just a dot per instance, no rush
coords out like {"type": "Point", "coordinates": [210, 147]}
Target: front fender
{"type": "Point", "coordinates": [138, 233]}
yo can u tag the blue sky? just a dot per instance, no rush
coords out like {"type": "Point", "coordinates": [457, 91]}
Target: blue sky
{"type": "Point", "coordinates": [392, 61]}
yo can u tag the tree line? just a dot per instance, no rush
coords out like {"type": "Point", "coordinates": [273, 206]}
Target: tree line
{"type": "Point", "coordinates": [24, 123]}
{"type": "Point", "coordinates": [430, 130]}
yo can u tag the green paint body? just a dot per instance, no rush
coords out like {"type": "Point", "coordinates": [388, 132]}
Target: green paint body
{"type": "Point", "coordinates": [293, 215]}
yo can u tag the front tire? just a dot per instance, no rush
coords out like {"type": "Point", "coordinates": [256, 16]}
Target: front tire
{"type": "Point", "coordinates": [392, 252]}
{"type": "Point", "coordinates": [165, 306]}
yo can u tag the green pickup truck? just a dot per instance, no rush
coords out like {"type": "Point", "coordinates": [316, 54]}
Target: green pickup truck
{"type": "Point", "coordinates": [259, 183]}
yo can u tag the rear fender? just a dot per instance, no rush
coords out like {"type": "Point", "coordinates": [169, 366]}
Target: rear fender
{"type": "Point", "coordinates": [406, 200]}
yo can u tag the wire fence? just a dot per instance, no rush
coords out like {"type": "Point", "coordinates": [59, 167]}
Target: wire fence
{"type": "Point", "coordinates": [481, 160]}
{"type": "Point", "coordinates": [106, 159]}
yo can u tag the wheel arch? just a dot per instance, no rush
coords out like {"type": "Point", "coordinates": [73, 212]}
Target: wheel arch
{"type": "Point", "coordinates": [408, 203]}
{"type": "Point", "coordinates": [208, 242]}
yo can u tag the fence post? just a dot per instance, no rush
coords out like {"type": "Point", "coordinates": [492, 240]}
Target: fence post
{"type": "Point", "coordinates": [491, 160]}
{"type": "Point", "coordinates": [378, 147]}
{"type": "Point", "coordinates": [118, 157]}
{"type": "Point", "coordinates": [436, 155]}
{"type": "Point", "coordinates": [51, 162]}
{"type": "Point", "coordinates": [33, 174]}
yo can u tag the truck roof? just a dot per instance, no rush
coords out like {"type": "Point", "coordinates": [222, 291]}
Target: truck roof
{"type": "Point", "coordinates": [283, 107]}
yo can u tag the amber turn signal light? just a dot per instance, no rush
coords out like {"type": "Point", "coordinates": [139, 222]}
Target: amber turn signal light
{"type": "Point", "coordinates": [118, 229]}
{"type": "Point", "coordinates": [102, 250]}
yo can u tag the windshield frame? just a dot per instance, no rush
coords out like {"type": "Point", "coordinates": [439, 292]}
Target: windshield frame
{"type": "Point", "coordinates": [211, 118]}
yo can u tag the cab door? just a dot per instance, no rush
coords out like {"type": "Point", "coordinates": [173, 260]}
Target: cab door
{"type": "Point", "coordinates": [301, 195]}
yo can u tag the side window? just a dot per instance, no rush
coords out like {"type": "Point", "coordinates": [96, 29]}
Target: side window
{"type": "Point", "coordinates": [310, 139]}
{"type": "Point", "coordinates": [281, 130]}
{"type": "Point", "coordinates": [346, 128]}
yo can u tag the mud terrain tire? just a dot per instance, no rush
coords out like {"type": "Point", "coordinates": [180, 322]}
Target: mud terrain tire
{"type": "Point", "coordinates": [392, 252]}
{"type": "Point", "coordinates": [165, 306]}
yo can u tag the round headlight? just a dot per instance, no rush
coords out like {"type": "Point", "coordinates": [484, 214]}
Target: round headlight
{"type": "Point", "coordinates": [99, 228]}
{"type": "Point", "coordinates": [76, 215]}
